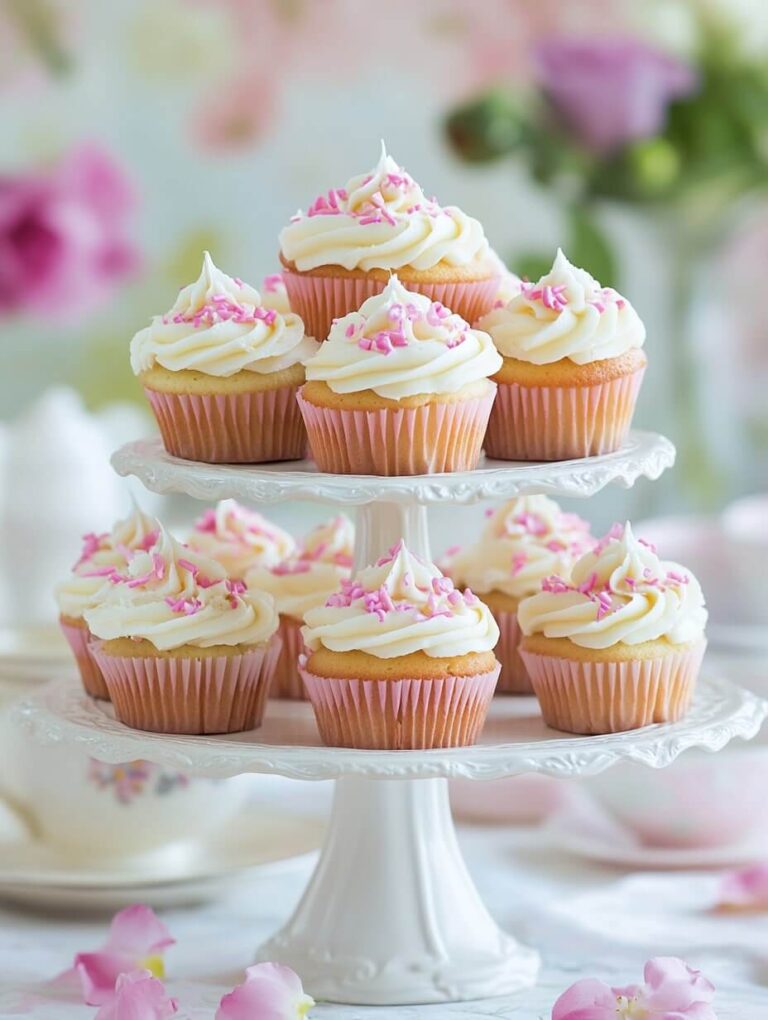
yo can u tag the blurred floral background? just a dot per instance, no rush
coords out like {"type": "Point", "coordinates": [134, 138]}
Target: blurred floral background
{"type": "Point", "coordinates": [635, 135]}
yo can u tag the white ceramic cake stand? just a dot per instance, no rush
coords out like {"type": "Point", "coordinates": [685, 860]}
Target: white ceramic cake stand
{"type": "Point", "coordinates": [391, 915]}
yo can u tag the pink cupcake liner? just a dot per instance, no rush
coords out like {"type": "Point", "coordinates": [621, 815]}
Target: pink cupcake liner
{"type": "Point", "coordinates": [400, 714]}
{"type": "Point", "coordinates": [223, 694]}
{"type": "Point", "coordinates": [561, 422]}
{"type": "Point", "coordinates": [513, 678]}
{"type": "Point", "coordinates": [321, 299]}
{"type": "Point", "coordinates": [610, 697]}
{"type": "Point", "coordinates": [231, 428]}
{"type": "Point", "coordinates": [80, 641]}
{"type": "Point", "coordinates": [422, 440]}
{"type": "Point", "coordinates": [287, 682]}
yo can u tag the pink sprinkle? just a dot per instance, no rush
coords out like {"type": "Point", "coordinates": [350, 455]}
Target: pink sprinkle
{"type": "Point", "coordinates": [470, 599]}
{"type": "Point", "coordinates": [237, 281]}
{"type": "Point", "coordinates": [555, 546]}
{"type": "Point", "coordinates": [286, 568]}
{"type": "Point", "coordinates": [519, 561]}
{"type": "Point", "coordinates": [489, 512]}
{"type": "Point", "coordinates": [604, 604]}
{"type": "Point", "coordinates": [272, 282]}
{"type": "Point", "coordinates": [350, 331]}
{"type": "Point", "coordinates": [555, 585]}
{"type": "Point", "coordinates": [455, 597]}
{"type": "Point", "coordinates": [676, 578]}
{"type": "Point", "coordinates": [369, 219]}
{"type": "Point", "coordinates": [110, 572]}
{"type": "Point", "coordinates": [148, 541]}
{"type": "Point", "coordinates": [648, 545]}
{"type": "Point", "coordinates": [589, 585]}
{"type": "Point", "coordinates": [188, 565]}
{"type": "Point", "coordinates": [187, 606]}
{"type": "Point", "coordinates": [442, 585]}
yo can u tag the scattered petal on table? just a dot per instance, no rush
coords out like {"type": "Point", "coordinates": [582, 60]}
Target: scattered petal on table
{"type": "Point", "coordinates": [269, 992]}
{"type": "Point", "coordinates": [745, 889]}
{"type": "Point", "coordinates": [138, 996]}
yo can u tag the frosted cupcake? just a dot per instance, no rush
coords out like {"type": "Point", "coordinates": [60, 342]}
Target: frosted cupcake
{"type": "Point", "coordinates": [103, 558]}
{"type": "Point", "coordinates": [342, 250]}
{"type": "Point", "coordinates": [300, 583]}
{"type": "Point", "coordinates": [183, 648]}
{"type": "Point", "coordinates": [399, 658]}
{"type": "Point", "coordinates": [619, 644]}
{"type": "Point", "coordinates": [221, 372]}
{"type": "Point", "coordinates": [400, 387]}
{"type": "Point", "coordinates": [523, 542]}
{"type": "Point", "coordinates": [572, 368]}
{"type": "Point", "coordinates": [239, 538]}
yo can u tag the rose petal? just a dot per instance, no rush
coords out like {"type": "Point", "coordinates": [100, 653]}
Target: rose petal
{"type": "Point", "coordinates": [138, 996]}
{"type": "Point", "coordinates": [137, 931]}
{"type": "Point", "coordinates": [98, 974]}
{"type": "Point", "coordinates": [588, 999]}
{"type": "Point", "coordinates": [269, 992]}
{"type": "Point", "coordinates": [673, 985]}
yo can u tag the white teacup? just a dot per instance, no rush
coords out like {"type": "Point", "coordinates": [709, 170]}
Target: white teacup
{"type": "Point", "coordinates": [96, 813]}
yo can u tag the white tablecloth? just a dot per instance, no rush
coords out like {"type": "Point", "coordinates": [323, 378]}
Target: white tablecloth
{"type": "Point", "coordinates": [536, 892]}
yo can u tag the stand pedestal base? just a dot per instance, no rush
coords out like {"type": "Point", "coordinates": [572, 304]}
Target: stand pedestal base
{"type": "Point", "coordinates": [391, 916]}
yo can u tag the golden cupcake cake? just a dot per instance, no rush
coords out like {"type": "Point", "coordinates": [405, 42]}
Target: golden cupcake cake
{"type": "Point", "coordinates": [618, 643]}
{"type": "Point", "coordinates": [524, 541]}
{"type": "Point", "coordinates": [104, 557]}
{"type": "Point", "coordinates": [573, 365]}
{"type": "Point", "coordinates": [221, 371]}
{"type": "Point", "coordinates": [400, 387]}
{"type": "Point", "coordinates": [300, 582]}
{"type": "Point", "coordinates": [240, 538]}
{"type": "Point", "coordinates": [400, 658]}
{"type": "Point", "coordinates": [182, 647]}
{"type": "Point", "coordinates": [343, 248]}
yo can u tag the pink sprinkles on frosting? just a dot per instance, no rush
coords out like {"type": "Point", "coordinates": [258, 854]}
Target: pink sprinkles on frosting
{"type": "Point", "coordinates": [387, 340]}
{"type": "Point", "coordinates": [222, 309]}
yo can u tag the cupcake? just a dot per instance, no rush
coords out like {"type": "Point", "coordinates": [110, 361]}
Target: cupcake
{"type": "Point", "coordinates": [523, 542]}
{"type": "Point", "coordinates": [182, 647]}
{"type": "Point", "coordinates": [399, 658]}
{"type": "Point", "coordinates": [299, 583]}
{"type": "Point", "coordinates": [400, 387]}
{"type": "Point", "coordinates": [221, 372]}
{"type": "Point", "coordinates": [572, 368]}
{"type": "Point", "coordinates": [239, 539]}
{"type": "Point", "coordinates": [342, 250]}
{"type": "Point", "coordinates": [618, 644]}
{"type": "Point", "coordinates": [103, 558]}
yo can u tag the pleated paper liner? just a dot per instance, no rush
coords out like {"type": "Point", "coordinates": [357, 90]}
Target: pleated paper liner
{"type": "Point", "coordinates": [79, 639]}
{"type": "Point", "coordinates": [221, 694]}
{"type": "Point", "coordinates": [321, 299]}
{"type": "Point", "coordinates": [561, 422]}
{"type": "Point", "coordinates": [287, 681]}
{"type": "Point", "coordinates": [611, 697]}
{"type": "Point", "coordinates": [400, 714]}
{"type": "Point", "coordinates": [514, 677]}
{"type": "Point", "coordinates": [409, 441]}
{"type": "Point", "coordinates": [231, 428]}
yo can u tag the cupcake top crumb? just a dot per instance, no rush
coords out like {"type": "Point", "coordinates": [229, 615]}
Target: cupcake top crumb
{"type": "Point", "coordinates": [381, 220]}
{"type": "Point", "coordinates": [401, 344]}
{"type": "Point", "coordinates": [567, 314]}
{"type": "Point", "coordinates": [240, 538]}
{"type": "Point", "coordinates": [220, 326]}
{"type": "Point", "coordinates": [398, 606]}
{"type": "Point", "coordinates": [620, 592]}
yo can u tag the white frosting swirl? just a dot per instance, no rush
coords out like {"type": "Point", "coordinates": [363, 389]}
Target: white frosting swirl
{"type": "Point", "coordinates": [399, 606]}
{"type": "Point", "coordinates": [274, 294]}
{"type": "Point", "coordinates": [510, 283]}
{"type": "Point", "coordinates": [219, 326]}
{"type": "Point", "coordinates": [381, 220]}
{"type": "Point", "coordinates": [102, 555]}
{"type": "Point", "coordinates": [619, 593]}
{"type": "Point", "coordinates": [311, 577]}
{"type": "Point", "coordinates": [524, 541]}
{"type": "Point", "coordinates": [400, 344]}
{"type": "Point", "coordinates": [173, 596]}
{"type": "Point", "coordinates": [567, 314]}
{"type": "Point", "coordinates": [239, 538]}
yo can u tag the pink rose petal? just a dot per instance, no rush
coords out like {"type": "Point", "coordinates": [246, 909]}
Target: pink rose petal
{"type": "Point", "coordinates": [269, 992]}
{"type": "Point", "coordinates": [138, 996]}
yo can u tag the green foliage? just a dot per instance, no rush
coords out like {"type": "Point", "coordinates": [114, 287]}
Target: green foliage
{"type": "Point", "coordinates": [589, 247]}
{"type": "Point", "coordinates": [486, 128]}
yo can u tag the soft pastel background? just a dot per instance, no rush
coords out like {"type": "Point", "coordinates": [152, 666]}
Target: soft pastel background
{"type": "Point", "coordinates": [135, 134]}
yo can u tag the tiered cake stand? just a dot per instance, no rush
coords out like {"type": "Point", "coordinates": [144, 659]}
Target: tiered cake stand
{"type": "Point", "coordinates": [391, 915]}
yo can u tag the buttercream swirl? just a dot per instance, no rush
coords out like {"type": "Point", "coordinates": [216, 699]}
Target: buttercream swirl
{"type": "Point", "coordinates": [274, 294]}
{"type": "Point", "coordinates": [399, 606]}
{"type": "Point", "coordinates": [310, 577]}
{"type": "Point", "coordinates": [524, 541]}
{"type": "Point", "coordinates": [101, 555]}
{"type": "Point", "coordinates": [219, 326]}
{"type": "Point", "coordinates": [381, 220]}
{"type": "Point", "coordinates": [619, 593]}
{"type": "Point", "coordinates": [172, 596]}
{"type": "Point", "coordinates": [401, 344]}
{"type": "Point", "coordinates": [567, 314]}
{"type": "Point", "coordinates": [239, 538]}
{"type": "Point", "coordinates": [510, 283]}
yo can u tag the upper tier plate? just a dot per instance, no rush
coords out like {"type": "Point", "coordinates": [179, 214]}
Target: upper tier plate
{"type": "Point", "coordinates": [644, 454]}
{"type": "Point", "coordinates": [514, 740]}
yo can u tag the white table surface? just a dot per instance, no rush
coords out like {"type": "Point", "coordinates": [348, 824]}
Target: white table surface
{"type": "Point", "coordinates": [521, 880]}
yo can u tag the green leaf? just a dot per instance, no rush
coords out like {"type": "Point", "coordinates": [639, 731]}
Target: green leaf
{"type": "Point", "coordinates": [531, 265]}
{"type": "Point", "coordinates": [486, 128]}
{"type": "Point", "coordinates": [588, 247]}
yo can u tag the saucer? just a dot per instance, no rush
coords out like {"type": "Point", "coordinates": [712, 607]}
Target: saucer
{"type": "Point", "coordinates": [584, 832]}
{"type": "Point", "coordinates": [261, 845]}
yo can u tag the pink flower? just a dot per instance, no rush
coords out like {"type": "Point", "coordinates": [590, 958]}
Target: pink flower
{"type": "Point", "coordinates": [611, 91]}
{"type": "Point", "coordinates": [138, 996]}
{"type": "Point", "coordinates": [136, 941]}
{"type": "Point", "coordinates": [64, 240]}
{"type": "Point", "coordinates": [672, 991]}
{"type": "Point", "coordinates": [269, 992]}
{"type": "Point", "coordinates": [745, 889]}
